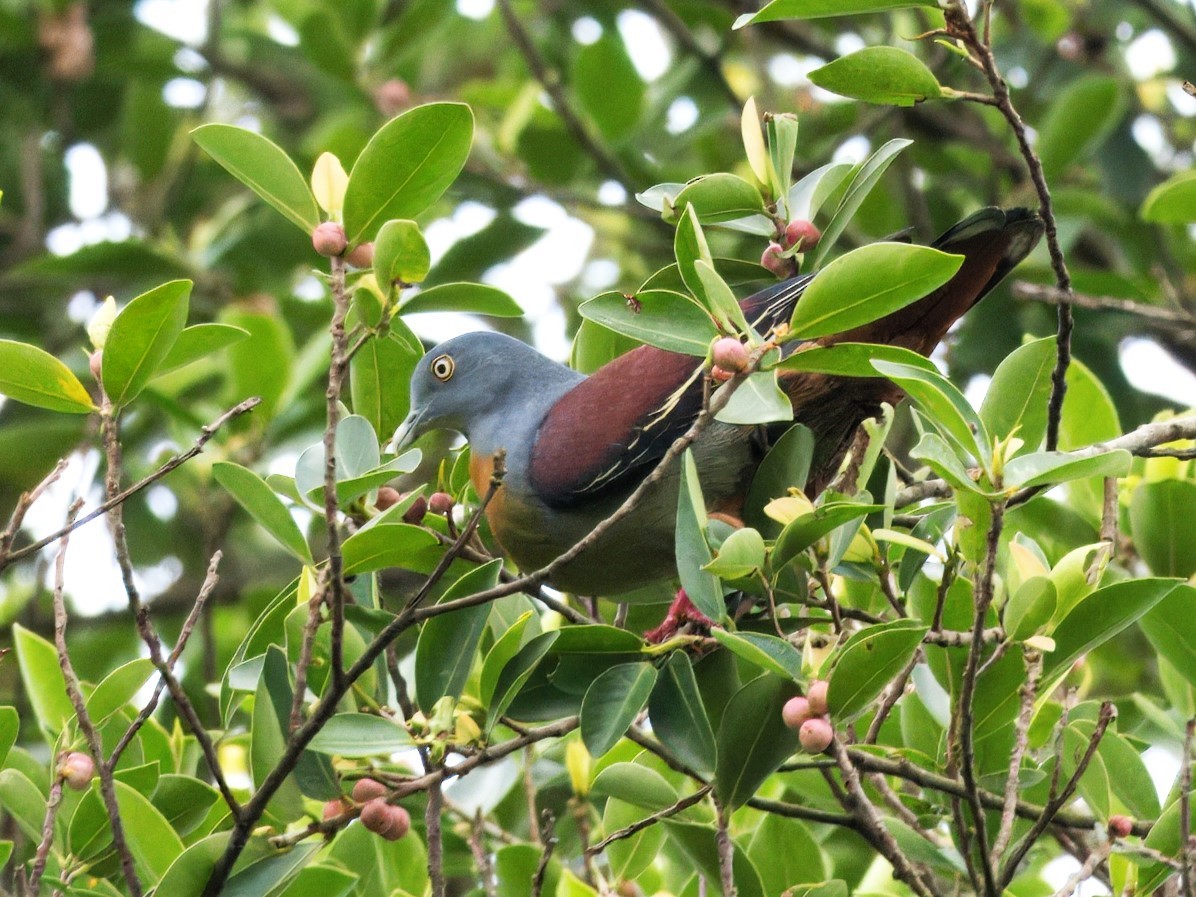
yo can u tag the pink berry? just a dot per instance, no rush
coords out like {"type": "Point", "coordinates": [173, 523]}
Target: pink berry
{"type": "Point", "coordinates": [795, 712]}
{"type": "Point", "coordinates": [718, 375]}
{"type": "Point", "coordinates": [802, 233]}
{"type": "Point", "coordinates": [415, 514]}
{"type": "Point", "coordinates": [95, 362]}
{"type": "Point", "coordinates": [77, 770]}
{"type": "Point", "coordinates": [815, 735]}
{"type": "Point", "coordinates": [375, 816]}
{"type": "Point", "coordinates": [388, 497]}
{"type": "Point", "coordinates": [730, 354]}
{"type": "Point", "coordinates": [361, 256]}
{"type": "Point", "coordinates": [400, 824]}
{"type": "Point", "coordinates": [1120, 826]}
{"type": "Point", "coordinates": [816, 695]}
{"type": "Point", "coordinates": [328, 239]}
{"type": "Point", "coordinates": [441, 503]}
{"type": "Point", "coordinates": [775, 262]}
{"type": "Point", "coordinates": [334, 808]}
{"type": "Point", "coordinates": [367, 790]}
{"type": "Point", "coordinates": [392, 97]}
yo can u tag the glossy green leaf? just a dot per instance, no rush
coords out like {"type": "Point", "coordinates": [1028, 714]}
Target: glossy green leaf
{"type": "Point", "coordinates": [1168, 626]}
{"type": "Point", "coordinates": [1043, 468]}
{"type": "Point", "coordinates": [400, 254]}
{"type": "Point", "coordinates": [515, 866]}
{"type": "Point", "coordinates": [360, 735]}
{"type": "Point", "coordinates": [945, 406]}
{"type": "Point", "coordinates": [35, 377]}
{"type": "Point", "coordinates": [378, 378]}
{"type": "Point", "coordinates": [629, 857]}
{"type": "Point", "coordinates": [270, 722]}
{"type": "Point", "coordinates": [741, 554]}
{"type": "Point", "coordinates": [939, 456]}
{"type": "Point", "coordinates": [759, 399]}
{"type": "Point", "coordinates": [1029, 608]}
{"type": "Point", "coordinates": [391, 868]}
{"type": "Point", "coordinates": [851, 359]}
{"type": "Point", "coordinates": [118, 688]}
{"type": "Point", "coordinates": [199, 341]}
{"type": "Point", "coordinates": [868, 662]}
{"type": "Point", "coordinates": [865, 178]}
{"type": "Point", "coordinates": [264, 168]}
{"type": "Point", "coordinates": [263, 364]}
{"type": "Point", "coordinates": [753, 740]}
{"type": "Point", "coordinates": [720, 197]}
{"type": "Point", "coordinates": [700, 852]}
{"type": "Point", "coordinates": [10, 727]}
{"type": "Point", "coordinates": [506, 646]}
{"type": "Point", "coordinates": [817, 9]}
{"type": "Point", "coordinates": [184, 801]}
{"type": "Point", "coordinates": [1016, 400]}
{"type": "Point", "coordinates": [768, 652]}
{"type": "Point", "coordinates": [466, 298]}
{"type": "Point", "coordinates": [718, 298]}
{"type": "Point", "coordinates": [393, 545]}
{"type": "Point", "coordinates": [636, 784]}
{"type": "Point", "coordinates": [802, 532]}
{"type": "Point", "coordinates": [141, 338]}
{"type": "Point", "coordinates": [1161, 524]}
{"type": "Point", "coordinates": [781, 131]}
{"type": "Point", "coordinates": [444, 653]}
{"type": "Point", "coordinates": [868, 283]}
{"type": "Point", "coordinates": [608, 87]}
{"type": "Point", "coordinates": [42, 678]}
{"type": "Point", "coordinates": [786, 466]}
{"type": "Point", "coordinates": [269, 875]}
{"type": "Point", "coordinates": [264, 506]}
{"type": "Point", "coordinates": [190, 871]}
{"type": "Point", "coordinates": [612, 702]}
{"type": "Point", "coordinates": [801, 858]}
{"type": "Point", "coordinates": [1089, 417]}
{"type": "Point", "coordinates": [1080, 117]}
{"type": "Point", "coordinates": [885, 75]}
{"type": "Point", "coordinates": [678, 715]}
{"type": "Point", "coordinates": [151, 840]}
{"type": "Point", "coordinates": [689, 247]}
{"type": "Point", "coordinates": [661, 318]}
{"type": "Point", "coordinates": [408, 163]}
{"type": "Point", "coordinates": [693, 552]}
{"type": "Point", "coordinates": [515, 673]}
{"type": "Point", "coordinates": [805, 198]}
{"type": "Point", "coordinates": [1173, 201]}
{"type": "Point", "coordinates": [24, 801]}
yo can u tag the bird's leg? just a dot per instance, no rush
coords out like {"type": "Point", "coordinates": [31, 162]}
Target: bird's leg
{"type": "Point", "coordinates": [680, 612]}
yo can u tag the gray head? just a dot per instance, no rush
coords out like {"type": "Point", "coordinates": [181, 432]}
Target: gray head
{"type": "Point", "coordinates": [480, 384]}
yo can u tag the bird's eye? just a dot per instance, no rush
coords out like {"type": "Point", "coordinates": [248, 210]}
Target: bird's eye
{"type": "Point", "coordinates": [442, 367]}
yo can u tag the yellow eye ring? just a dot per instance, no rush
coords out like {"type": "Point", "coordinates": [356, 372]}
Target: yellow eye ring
{"type": "Point", "coordinates": [442, 367]}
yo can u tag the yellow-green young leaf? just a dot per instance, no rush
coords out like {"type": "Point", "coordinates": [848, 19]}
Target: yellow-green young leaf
{"type": "Point", "coordinates": [741, 554]}
{"type": "Point", "coordinates": [406, 167]}
{"type": "Point", "coordinates": [328, 183]}
{"type": "Point", "coordinates": [467, 298]}
{"type": "Point", "coordinates": [1016, 400]}
{"type": "Point", "coordinates": [662, 318]}
{"type": "Point", "coordinates": [264, 506]}
{"type": "Point", "coordinates": [400, 254]}
{"type": "Point", "coordinates": [868, 283]}
{"type": "Point", "coordinates": [101, 323]}
{"type": "Point", "coordinates": [263, 167]}
{"type": "Point", "coordinates": [1173, 201]}
{"type": "Point", "coordinates": [885, 75]}
{"type": "Point", "coordinates": [141, 338]}
{"type": "Point", "coordinates": [817, 9]}
{"type": "Point", "coordinates": [35, 377]}
{"type": "Point", "coordinates": [753, 142]}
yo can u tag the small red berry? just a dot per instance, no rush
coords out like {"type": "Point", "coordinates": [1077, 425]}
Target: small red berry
{"type": "Point", "coordinates": [334, 808]}
{"type": "Point", "coordinates": [730, 354]}
{"type": "Point", "coordinates": [368, 789]}
{"type": "Point", "coordinates": [441, 503]}
{"type": "Point", "coordinates": [375, 816]}
{"type": "Point", "coordinates": [328, 239]}
{"type": "Point", "coordinates": [400, 824]}
{"type": "Point", "coordinates": [816, 695]}
{"type": "Point", "coordinates": [718, 375]}
{"type": "Point", "coordinates": [795, 712]}
{"type": "Point", "coordinates": [802, 233]}
{"type": "Point", "coordinates": [415, 514]}
{"type": "Point", "coordinates": [815, 735]}
{"type": "Point", "coordinates": [361, 256]}
{"type": "Point", "coordinates": [388, 497]}
{"type": "Point", "coordinates": [77, 770]}
{"type": "Point", "coordinates": [775, 262]}
{"type": "Point", "coordinates": [392, 97]}
{"type": "Point", "coordinates": [1120, 826]}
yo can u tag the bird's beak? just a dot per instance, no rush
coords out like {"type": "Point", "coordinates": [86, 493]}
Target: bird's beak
{"type": "Point", "coordinates": [409, 430]}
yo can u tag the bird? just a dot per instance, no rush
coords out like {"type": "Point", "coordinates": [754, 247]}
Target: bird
{"type": "Point", "coordinates": [575, 446]}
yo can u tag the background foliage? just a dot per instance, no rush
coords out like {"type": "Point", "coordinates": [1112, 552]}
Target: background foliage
{"type": "Point", "coordinates": [576, 107]}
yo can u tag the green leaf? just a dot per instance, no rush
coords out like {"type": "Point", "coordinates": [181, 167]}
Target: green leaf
{"type": "Point", "coordinates": [1160, 522]}
{"type": "Point", "coordinates": [42, 677]}
{"type": "Point", "coordinates": [190, 871]}
{"type": "Point", "coordinates": [390, 868]}
{"type": "Point", "coordinates": [466, 298]}
{"type": "Point", "coordinates": [1029, 608]}
{"type": "Point", "coordinates": [885, 75]}
{"type": "Point", "coordinates": [264, 364]}
{"type": "Point", "coordinates": [693, 552]}
{"type": "Point", "coordinates": [781, 130]}
{"type": "Point", "coordinates": [1079, 119]}
{"type": "Point", "coordinates": [868, 283]}
{"type": "Point", "coordinates": [802, 532]}
{"type": "Point", "coordinates": [151, 840]}
{"type": "Point", "coordinates": [406, 166]}
{"type": "Point", "coordinates": [400, 254]}
{"type": "Point", "coordinates": [753, 740]}
{"type": "Point", "coordinates": [515, 673]}
{"type": "Point", "coordinates": [608, 86]}
{"type": "Point", "coordinates": [444, 653]}
{"type": "Point", "coordinates": [1043, 468]}
{"type": "Point", "coordinates": [945, 406]}
{"type": "Point", "coordinates": [690, 247]}
{"type": "Point", "coordinates": [759, 399]}
{"type": "Point", "coordinates": [10, 727]}
{"type": "Point", "coordinates": [786, 466]}
{"type": "Point", "coordinates": [636, 784]}
{"type": "Point", "coordinates": [118, 688]}
{"type": "Point", "coordinates": [506, 646]}
{"type": "Point", "coordinates": [360, 735]}
{"type": "Point", "coordinates": [817, 9]}
{"type": "Point", "coordinates": [264, 506]}
{"type": "Point", "coordinates": [944, 461]}
{"type": "Point", "coordinates": [1168, 626]}
{"type": "Point", "coordinates": [1100, 616]}
{"type": "Point", "coordinates": [806, 197]}
{"type": "Point", "coordinates": [851, 359]}
{"type": "Point", "coordinates": [35, 377]}
{"type": "Point", "coordinates": [784, 851]}
{"type": "Point", "coordinates": [268, 876]}
{"type": "Point", "coordinates": [198, 341]}
{"type": "Point", "coordinates": [141, 339]}
{"type": "Point", "coordinates": [1173, 201]}
{"type": "Point", "coordinates": [392, 545]}
{"type": "Point", "coordinates": [23, 801]}
{"type": "Point", "coordinates": [612, 702]}
{"type": "Point", "coordinates": [769, 653]}
{"type": "Point", "coordinates": [661, 318]}
{"type": "Point", "coordinates": [718, 298]}
{"type": "Point", "coordinates": [866, 177]}
{"type": "Point", "coordinates": [378, 378]}
{"type": "Point", "coordinates": [866, 664]}
{"type": "Point", "coordinates": [678, 715]}
{"type": "Point", "coordinates": [720, 197]}
{"type": "Point", "coordinates": [264, 168]}
{"type": "Point", "coordinates": [741, 554]}
{"type": "Point", "coordinates": [1016, 400]}
{"type": "Point", "coordinates": [629, 857]}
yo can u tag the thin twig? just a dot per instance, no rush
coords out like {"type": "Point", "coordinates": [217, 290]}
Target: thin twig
{"type": "Point", "coordinates": [24, 503]}
{"type": "Point", "coordinates": [1054, 296]}
{"type": "Point", "coordinates": [435, 844]}
{"type": "Point", "coordinates": [726, 850]}
{"type": "Point", "coordinates": [338, 365]}
{"type": "Point", "coordinates": [1021, 743]}
{"type": "Point", "coordinates": [477, 846]}
{"type": "Point", "coordinates": [1087, 870]}
{"type": "Point", "coordinates": [634, 828]}
{"type": "Point", "coordinates": [42, 855]}
{"type": "Point", "coordinates": [549, 840]}
{"type": "Point", "coordinates": [206, 433]}
{"type": "Point", "coordinates": [1185, 811]}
